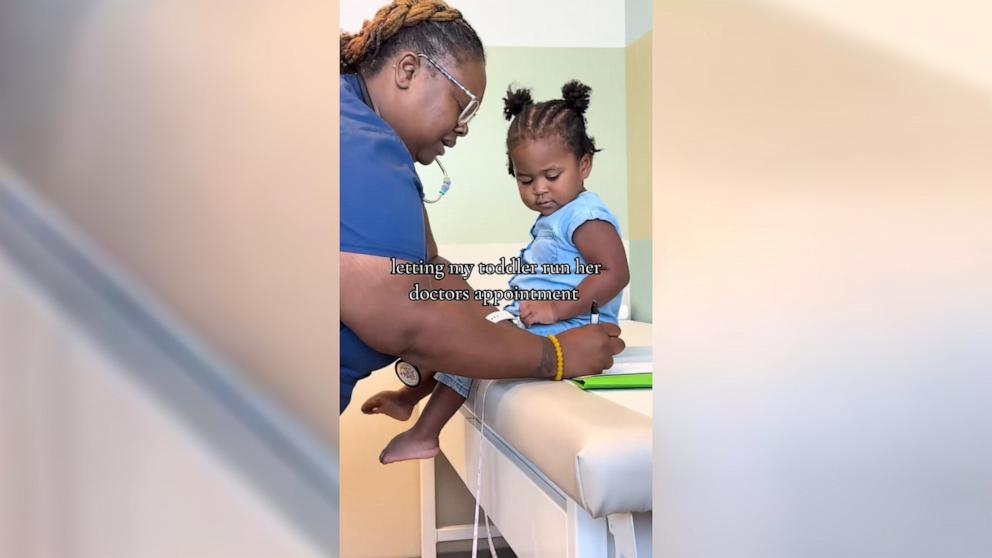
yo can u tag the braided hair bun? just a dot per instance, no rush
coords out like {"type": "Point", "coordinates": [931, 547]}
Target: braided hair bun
{"type": "Point", "coordinates": [515, 102]}
{"type": "Point", "coordinates": [576, 96]}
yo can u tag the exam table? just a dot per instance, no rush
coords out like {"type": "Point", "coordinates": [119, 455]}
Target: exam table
{"type": "Point", "coordinates": [565, 472]}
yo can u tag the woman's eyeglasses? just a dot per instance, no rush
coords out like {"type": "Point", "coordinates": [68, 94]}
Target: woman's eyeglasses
{"type": "Point", "coordinates": [473, 105]}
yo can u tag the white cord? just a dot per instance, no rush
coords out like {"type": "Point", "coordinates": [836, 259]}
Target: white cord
{"type": "Point", "coordinates": [478, 486]}
{"type": "Point", "coordinates": [478, 478]}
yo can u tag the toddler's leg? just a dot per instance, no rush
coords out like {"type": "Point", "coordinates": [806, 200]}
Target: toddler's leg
{"type": "Point", "coordinates": [421, 441]}
{"type": "Point", "coordinates": [399, 403]}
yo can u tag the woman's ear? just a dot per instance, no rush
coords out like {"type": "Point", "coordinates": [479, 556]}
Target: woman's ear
{"type": "Point", "coordinates": [405, 68]}
{"type": "Point", "coordinates": [585, 166]}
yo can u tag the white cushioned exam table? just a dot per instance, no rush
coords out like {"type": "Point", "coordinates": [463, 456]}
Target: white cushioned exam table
{"type": "Point", "coordinates": [565, 472]}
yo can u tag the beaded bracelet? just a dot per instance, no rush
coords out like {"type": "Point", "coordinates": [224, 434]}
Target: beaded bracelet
{"type": "Point", "coordinates": [561, 360]}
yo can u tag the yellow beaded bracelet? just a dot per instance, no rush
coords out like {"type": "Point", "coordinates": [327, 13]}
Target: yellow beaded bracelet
{"type": "Point", "coordinates": [561, 360]}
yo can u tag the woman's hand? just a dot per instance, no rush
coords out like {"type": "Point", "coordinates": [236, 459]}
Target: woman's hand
{"type": "Point", "coordinates": [538, 312]}
{"type": "Point", "coordinates": [589, 349]}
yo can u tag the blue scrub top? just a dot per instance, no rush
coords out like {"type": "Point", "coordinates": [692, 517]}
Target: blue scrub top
{"type": "Point", "coordinates": [381, 210]}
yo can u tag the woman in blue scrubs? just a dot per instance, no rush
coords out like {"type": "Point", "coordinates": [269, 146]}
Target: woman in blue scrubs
{"type": "Point", "coordinates": [411, 81]}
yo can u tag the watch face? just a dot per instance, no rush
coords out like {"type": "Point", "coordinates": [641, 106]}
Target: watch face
{"type": "Point", "coordinates": [407, 373]}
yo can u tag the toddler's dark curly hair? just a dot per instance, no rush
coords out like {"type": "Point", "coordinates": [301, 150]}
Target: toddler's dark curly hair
{"type": "Point", "coordinates": [563, 118]}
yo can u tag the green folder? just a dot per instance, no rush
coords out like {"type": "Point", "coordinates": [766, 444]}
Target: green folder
{"type": "Point", "coordinates": [615, 381]}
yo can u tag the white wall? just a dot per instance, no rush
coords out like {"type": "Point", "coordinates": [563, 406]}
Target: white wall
{"type": "Point", "coordinates": [91, 466]}
{"type": "Point", "coordinates": [519, 23]}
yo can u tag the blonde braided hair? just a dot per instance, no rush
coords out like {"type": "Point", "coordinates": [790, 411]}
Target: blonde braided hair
{"type": "Point", "coordinates": [392, 20]}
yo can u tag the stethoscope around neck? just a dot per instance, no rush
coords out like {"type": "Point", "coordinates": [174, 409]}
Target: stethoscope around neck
{"type": "Point", "coordinates": [445, 184]}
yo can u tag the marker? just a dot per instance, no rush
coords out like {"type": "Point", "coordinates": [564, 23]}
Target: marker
{"type": "Point", "coordinates": [595, 312]}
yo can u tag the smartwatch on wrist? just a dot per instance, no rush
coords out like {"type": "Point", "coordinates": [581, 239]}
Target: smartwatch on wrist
{"type": "Point", "coordinates": [407, 373]}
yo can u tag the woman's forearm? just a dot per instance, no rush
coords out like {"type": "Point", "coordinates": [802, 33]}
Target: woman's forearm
{"type": "Point", "coordinates": [473, 347]}
{"type": "Point", "coordinates": [457, 342]}
{"type": "Point", "coordinates": [455, 336]}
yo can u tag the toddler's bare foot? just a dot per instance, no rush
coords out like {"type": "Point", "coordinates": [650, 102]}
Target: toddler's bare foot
{"type": "Point", "coordinates": [395, 404]}
{"type": "Point", "coordinates": [409, 445]}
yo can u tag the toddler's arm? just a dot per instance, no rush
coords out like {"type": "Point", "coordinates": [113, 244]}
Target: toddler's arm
{"type": "Point", "coordinates": [599, 243]}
